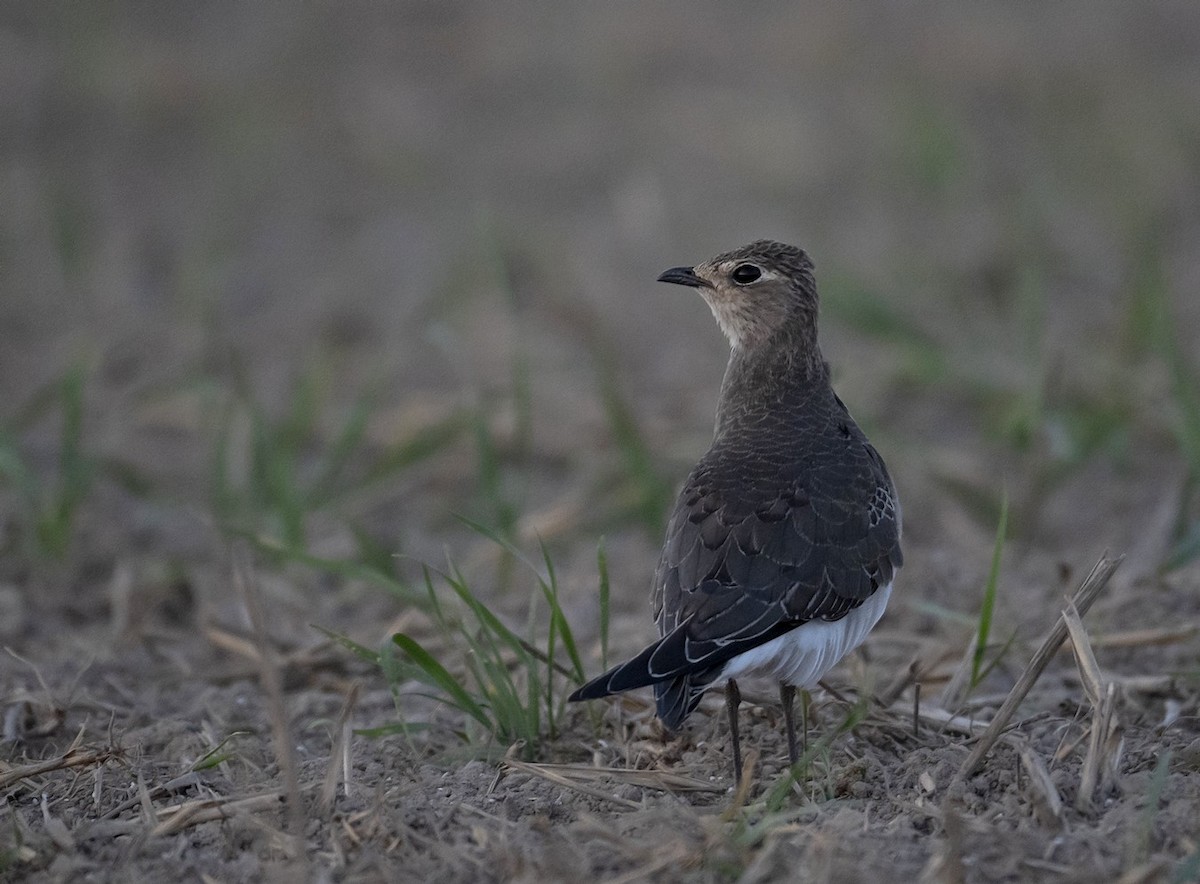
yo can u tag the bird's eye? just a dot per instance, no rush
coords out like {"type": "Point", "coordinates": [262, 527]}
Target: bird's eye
{"type": "Point", "coordinates": [744, 274]}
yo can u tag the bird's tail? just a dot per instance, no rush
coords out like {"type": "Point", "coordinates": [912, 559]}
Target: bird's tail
{"type": "Point", "coordinates": [677, 698]}
{"type": "Point", "coordinates": [633, 673]}
{"type": "Point", "coordinates": [678, 685]}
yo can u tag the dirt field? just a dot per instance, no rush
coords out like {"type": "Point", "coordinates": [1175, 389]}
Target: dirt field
{"type": "Point", "coordinates": [284, 298]}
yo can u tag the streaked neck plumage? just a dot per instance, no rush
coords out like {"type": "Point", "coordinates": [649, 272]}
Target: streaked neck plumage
{"type": "Point", "coordinates": [772, 375]}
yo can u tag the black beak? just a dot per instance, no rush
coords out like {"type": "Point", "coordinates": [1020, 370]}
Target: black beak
{"type": "Point", "coordinates": [684, 276]}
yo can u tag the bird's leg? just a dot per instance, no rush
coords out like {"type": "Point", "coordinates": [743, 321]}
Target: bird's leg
{"type": "Point", "coordinates": [805, 703]}
{"type": "Point", "coordinates": [787, 696]}
{"type": "Point", "coordinates": [733, 699]}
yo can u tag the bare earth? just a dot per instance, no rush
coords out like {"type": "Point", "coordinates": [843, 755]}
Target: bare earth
{"type": "Point", "coordinates": [451, 215]}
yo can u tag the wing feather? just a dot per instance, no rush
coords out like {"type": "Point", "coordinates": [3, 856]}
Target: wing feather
{"type": "Point", "coordinates": [757, 549]}
{"type": "Point", "coordinates": [796, 524]}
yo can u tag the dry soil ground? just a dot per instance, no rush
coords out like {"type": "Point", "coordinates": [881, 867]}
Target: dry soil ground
{"type": "Point", "coordinates": [282, 291]}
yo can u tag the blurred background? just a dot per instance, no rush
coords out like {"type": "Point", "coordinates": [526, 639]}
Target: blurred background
{"type": "Point", "coordinates": [296, 299]}
{"type": "Point", "coordinates": [327, 276]}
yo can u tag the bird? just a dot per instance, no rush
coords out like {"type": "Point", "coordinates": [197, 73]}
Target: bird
{"type": "Point", "coordinates": [784, 543]}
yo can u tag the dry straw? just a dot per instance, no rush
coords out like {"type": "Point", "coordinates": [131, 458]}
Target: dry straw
{"type": "Point", "coordinates": [1081, 602]}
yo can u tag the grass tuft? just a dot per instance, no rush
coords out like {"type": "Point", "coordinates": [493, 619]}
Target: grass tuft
{"type": "Point", "coordinates": [270, 475]}
{"type": "Point", "coordinates": [509, 688]}
{"type": "Point", "coordinates": [50, 505]}
{"type": "Point", "coordinates": [865, 309]}
{"type": "Point", "coordinates": [1153, 331]}
{"type": "Point", "coordinates": [370, 566]}
{"type": "Point", "coordinates": [646, 493]}
{"type": "Point", "coordinates": [974, 666]}
{"type": "Point", "coordinates": [801, 772]}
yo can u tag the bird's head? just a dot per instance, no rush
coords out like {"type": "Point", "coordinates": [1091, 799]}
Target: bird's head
{"type": "Point", "coordinates": [756, 292]}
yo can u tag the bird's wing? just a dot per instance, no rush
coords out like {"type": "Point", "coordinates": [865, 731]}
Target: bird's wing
{"type": "Point", "coordinates": [746, 561]}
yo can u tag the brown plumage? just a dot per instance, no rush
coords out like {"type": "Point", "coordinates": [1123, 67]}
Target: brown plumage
{"type": "Point", "coordinates": [783, 544]}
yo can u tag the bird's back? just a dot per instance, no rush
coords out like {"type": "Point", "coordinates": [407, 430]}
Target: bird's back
{"type": "Point", "coordinates": [790, 517]}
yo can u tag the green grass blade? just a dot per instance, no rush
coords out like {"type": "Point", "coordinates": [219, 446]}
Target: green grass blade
{"type": "Point", "coordinates": [605, 604]}
{"type": "Point", "coordinates": [779, 792]}
{"type": "Point", "coordinates": [560, 627]}
{"type": "Point", "coordinates": [300, 423]}
{"type": "Point", "coordinates": [491, 476]}
{"type": "Point", "coordinates": [390, 730]}
{"type": "Point", "coordinates": [214, 756]}
{"type": "Point", "coordinates": [223, 497]}
{"type": "Point", "coordinates": [421, 446]}
{"type": "Point", "coordinates": [274, 472]}
{"type": "Point", "coordinates": [502, 541]}
{"type": "Point", "coordinates": [53, 513]}
{"type": "Point", "coordinates": [352, 569]}
{"type": "Point", "coordinates": [77, 468]}
{"type": "Point", "coordinates": [652, 491]}
{"type": "Point", "coordinates": [437, 676]}
{"type": "Point", "coordinates": [397, 672]}
{"type": "Point", "coordinates": [989, 595]}
{"type": "Point", "coordinates": [491, 627]}
{"type": "Point", "coordinates": [435, 604]}
{"type": "Point", "coordinates": [360, 651]}
{"type": "Point", "coordinates": [14, 470]}
{"type": "Point", "coordinates": [1000, 655]}
{"type": "Point", "coordinates": [323, 488]}
{"type": "Point", "coordinates": [491, 624]}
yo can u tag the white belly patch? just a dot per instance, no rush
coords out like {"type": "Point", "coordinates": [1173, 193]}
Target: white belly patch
{"type": "Point", "coordinates": [802, 656]}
